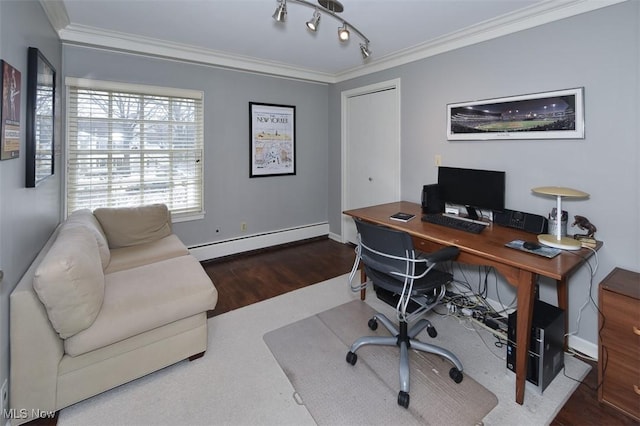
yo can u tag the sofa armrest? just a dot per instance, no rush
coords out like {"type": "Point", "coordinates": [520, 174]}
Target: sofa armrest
{"type": "Point", "coordinates": [36, 349]}
{"type": "Point", "coordinates": [129, 226]}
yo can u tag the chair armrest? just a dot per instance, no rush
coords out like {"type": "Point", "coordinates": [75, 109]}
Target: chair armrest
{"type": "Point", "coordinates": [444, 254]}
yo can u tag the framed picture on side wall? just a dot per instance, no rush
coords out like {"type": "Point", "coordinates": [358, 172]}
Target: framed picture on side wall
{"type": "Point", "coordinates": [10, 112]}
{"type": "Point", "coordinates": [549, 115]}
{"type": "Point", "coordinates": [41, 93]}
{"type": "Point", "coordinates": [272, 129]}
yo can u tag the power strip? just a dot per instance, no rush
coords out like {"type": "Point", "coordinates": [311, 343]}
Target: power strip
{"type": "Point", "coordinates": [496, 332]}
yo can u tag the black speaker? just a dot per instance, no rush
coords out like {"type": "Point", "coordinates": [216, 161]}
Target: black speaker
{"type": "Point", "coordinates": [432, 201]}
{"type": "Point", "coordinates": [519, 220]}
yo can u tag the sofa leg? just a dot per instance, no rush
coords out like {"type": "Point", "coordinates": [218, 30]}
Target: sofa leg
{"type": "Point", "coordinates": [196, 356]}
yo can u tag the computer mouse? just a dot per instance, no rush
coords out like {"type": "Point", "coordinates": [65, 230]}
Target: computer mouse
{"type": "Point", "coordinates": [531, 245]}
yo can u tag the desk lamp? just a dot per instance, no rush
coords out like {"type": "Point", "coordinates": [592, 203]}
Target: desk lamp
{"type": "Point", "coordinates": [558, 240]}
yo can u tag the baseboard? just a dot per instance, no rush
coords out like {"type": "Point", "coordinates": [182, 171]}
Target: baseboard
{"type": "Point", "coordinates": [583, 346]}
{"type": "Point", "coordinates": [257, 241]}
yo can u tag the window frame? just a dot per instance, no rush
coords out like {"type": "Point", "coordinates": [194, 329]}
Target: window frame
{"type": "Point", "coordinates": [142, 91]}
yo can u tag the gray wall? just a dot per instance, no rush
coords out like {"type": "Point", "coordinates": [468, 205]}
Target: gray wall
{"type": "Point", "coordinates": [598, 51]}
{"type": "Point", "coordinates": [231, 197]}
{"type": "Point", "coordinates": [27, 215]}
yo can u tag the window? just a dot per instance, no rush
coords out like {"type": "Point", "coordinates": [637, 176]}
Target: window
{"type": "Point", "coordinates": [129, 145]}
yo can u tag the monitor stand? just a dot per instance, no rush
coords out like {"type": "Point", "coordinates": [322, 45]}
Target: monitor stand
{"type": "Point", "coordinates": [471, 213]}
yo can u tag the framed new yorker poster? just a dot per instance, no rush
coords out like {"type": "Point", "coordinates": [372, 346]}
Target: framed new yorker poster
{"type": "Point", "coordinates": [272, 130]}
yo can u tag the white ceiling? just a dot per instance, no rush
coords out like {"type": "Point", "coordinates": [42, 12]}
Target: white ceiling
{"type": "Point", "coordinates": [242, 34]}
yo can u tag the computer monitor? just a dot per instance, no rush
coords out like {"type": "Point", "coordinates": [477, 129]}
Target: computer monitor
{"type": "Point", "coordinates": [474, 189]}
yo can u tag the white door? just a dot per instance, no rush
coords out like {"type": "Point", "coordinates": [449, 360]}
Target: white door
{"type": "Point", "coordinates": [370, 148]}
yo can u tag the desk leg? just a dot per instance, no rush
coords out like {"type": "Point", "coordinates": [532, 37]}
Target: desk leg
{"type": "Point", "coordinates": [563, 303]}
{"type": "Point", "coordinates": [526, 290]}
{"type": "Point", "coordinates": [363, 278]}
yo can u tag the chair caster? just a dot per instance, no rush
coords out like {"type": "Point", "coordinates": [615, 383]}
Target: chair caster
{"type": "Point", "coordinates": [403, 399]}
{"type": "Point", "coordinates": [455, 374]}
{"type": "Point", "coordinates": [373, 324]}
{"type": "Point", "coordinates": [431, 330]}
{"type": "Point", "coordinates": [352, 358]}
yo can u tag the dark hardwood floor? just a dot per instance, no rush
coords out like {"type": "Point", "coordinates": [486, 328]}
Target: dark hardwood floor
{"type": "Point", "coordinates": [249, 278]}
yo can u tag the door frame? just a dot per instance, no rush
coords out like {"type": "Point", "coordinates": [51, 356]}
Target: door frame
{"type": "Point", "coordinates": [345, 95]}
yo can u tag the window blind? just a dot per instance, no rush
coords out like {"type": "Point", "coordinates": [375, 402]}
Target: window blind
{"type": "Point", "coordinates": [129, 145]}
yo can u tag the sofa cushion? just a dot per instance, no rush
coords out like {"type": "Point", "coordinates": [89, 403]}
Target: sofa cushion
{"type": "Point", "coordinates": [143, 254]}
{"type": "Point", "coordinates": [140, 299]}
{"type": "Point", "coordinates": [85, 218]}
{"type": "Point", "coordinates": [69, 281]}
{"type": "Point", "coordinates": [128, 226]}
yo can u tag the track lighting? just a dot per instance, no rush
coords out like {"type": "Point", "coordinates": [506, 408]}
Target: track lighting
{"type": "Point", "coordinates": [329, 7]}
{"type": "Point", "coordinates": [314, 22]}
{"type": "Point", "coordinates": [280, 14]}
{"type": "Point", "coordinates": [364, 49]}
{"type": "Point", "coordinates": [343, 33]}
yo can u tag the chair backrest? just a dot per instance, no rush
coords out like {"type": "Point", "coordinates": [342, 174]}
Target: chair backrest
{"type": "Point", "coordinates": [376, 238]}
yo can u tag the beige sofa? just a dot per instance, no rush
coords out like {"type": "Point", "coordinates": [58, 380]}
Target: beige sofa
{"type": "Point", "coordinates": [112, 296]}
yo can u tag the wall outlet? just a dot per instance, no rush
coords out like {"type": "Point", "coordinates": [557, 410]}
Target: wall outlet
{"type": "Point", "coordinates": [4, 397]}
{"type": "Point", "coordinates": [438, 160]}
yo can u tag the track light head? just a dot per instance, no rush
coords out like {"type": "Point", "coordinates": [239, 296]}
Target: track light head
{"type": "Point", "coordinates": [364, 49]}
{"type": "Point", "coordinates": [330, 8]}
{"type": "Point", "coordinates": [314, 22]}
{"type": "Point", "coordinates": [280, 15]}
{"type": "Point", "coordinates": [343, 33]}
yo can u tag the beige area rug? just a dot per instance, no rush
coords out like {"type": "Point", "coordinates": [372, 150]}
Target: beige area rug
{"type": "Point", "coordinates": [239, 382]}
{"type": "Point", "coordinates": [312, 354]}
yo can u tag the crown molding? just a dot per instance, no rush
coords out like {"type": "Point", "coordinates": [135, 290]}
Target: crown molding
{"type": "Point", "coordinates": [57, 13]}
{"type": "Point", "coordinates": [530, 17]}
{"type": "Point", "coordinates": [533, 16]}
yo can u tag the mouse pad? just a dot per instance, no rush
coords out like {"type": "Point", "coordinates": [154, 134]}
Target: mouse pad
{"type": "Point", "coordinates": [541, 251]}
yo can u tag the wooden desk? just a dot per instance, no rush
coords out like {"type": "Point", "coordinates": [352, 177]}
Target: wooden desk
{"type": "Point", "coordinates": [520, 269]}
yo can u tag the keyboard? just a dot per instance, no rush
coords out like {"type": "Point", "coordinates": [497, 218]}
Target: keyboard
{"type": "Point", "coordinates": [461, 224]}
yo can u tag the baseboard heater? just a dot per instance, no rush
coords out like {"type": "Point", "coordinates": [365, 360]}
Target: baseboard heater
{"type": "Point", "coordinates": [243, 244]}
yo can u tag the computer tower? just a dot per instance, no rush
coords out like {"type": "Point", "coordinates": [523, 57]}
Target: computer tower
{"type": "Point", "coordinates": [546, 348]}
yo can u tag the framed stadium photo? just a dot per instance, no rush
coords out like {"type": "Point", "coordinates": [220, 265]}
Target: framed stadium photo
{"type": "Point", "coordinates": [549, 115]}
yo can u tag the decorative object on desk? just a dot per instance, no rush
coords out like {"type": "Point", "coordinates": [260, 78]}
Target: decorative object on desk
{"type": "Point", "coordinates": [553, 222]}
{"type": "Point", "coordinates": [41, 92]}
{"type": "Point", "coordinates": [10, 112]}
{"type": "Point", "coordinates": [273, 139]}
{"type": "Point", "coordinates": [402, 217]}
{"type": "Point", "coordinates": [558, 240]}
{"type": "Point", "coordinates": [551, 115]}
{"type": "Point", "coordinates": [548, 252]}
{"type": "Point", "coordinates": [584, 224]}
{"type": "Point", "coordinates": [586, 241]}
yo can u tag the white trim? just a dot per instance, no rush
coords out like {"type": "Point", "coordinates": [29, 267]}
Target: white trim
{"type": "Point", "coordinates": [523, 19]}
{"type": "Point", "coordinates": [372, 88]}
{"type": "Point", "coordinates": [83, 35]}
{"type": "Point", "coordinates": [530, 17]}
{"type": "Point", "coordinates": [217, 249]}
{"type": "Point", "coordinates": [56, 12]}
{"type": "Point", "coordinates": [86, 83]}
{"type": "Point", "coordinates": [583, 346]}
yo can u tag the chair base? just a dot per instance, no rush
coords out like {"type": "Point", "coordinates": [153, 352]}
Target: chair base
{"type": "Point", "coordinates": [405, 339]}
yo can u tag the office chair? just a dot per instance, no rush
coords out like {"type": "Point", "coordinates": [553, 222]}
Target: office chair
{"type": "Point", "coordinates": [391, 263]}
